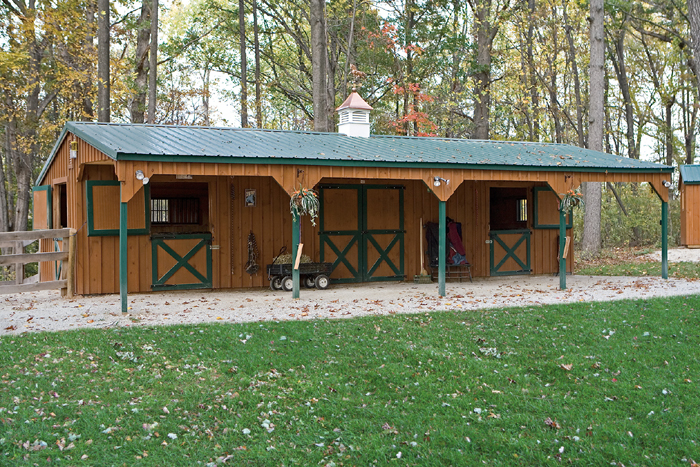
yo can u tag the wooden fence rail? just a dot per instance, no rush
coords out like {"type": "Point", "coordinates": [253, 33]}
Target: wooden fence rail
{"type": "Point", "coordinates": [19, 240]}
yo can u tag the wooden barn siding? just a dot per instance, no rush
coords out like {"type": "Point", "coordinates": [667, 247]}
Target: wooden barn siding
{"type": "Point", "coordinates": [58, 172]}
{"type": "Point", "coordinates": [690, 215]}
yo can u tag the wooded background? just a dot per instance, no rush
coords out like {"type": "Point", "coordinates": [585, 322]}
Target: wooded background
{"type": "Point", "coordinates": [486, 69]}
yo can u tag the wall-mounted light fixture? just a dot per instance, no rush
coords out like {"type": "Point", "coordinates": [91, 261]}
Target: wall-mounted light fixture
{"type": "Point", "coordinates": [74, 149]}
{"type": "Point", "coordinates": [666, 183]}
{"type": "Point", "coordinates": [140, 176]}
{"type": "Point", "coordinates": [437, 180]}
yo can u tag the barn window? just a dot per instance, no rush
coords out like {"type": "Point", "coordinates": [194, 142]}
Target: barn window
{"type": "Point", "coordinates": [508, 210]}
{"type": "Point", "coordinates": [103, 198]}
{"type": "Point", "coordinates": [179, 207]}
{"type": "Point", "coordinates": [175, 211]}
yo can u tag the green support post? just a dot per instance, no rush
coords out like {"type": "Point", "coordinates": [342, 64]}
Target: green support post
{"type": "Point", "coordinates": [664, 239]}
{"type": "Point", "coordinates": [296, 233]}
{"type": "Point", "coordinates": [122, 256]}
{"type": "Point", "coordinates": [562, 245]}
{"type": "Point", "coordinates": [442, 248]}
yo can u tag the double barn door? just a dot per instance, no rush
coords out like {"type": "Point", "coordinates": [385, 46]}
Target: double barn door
{"type": "Point", "coordinates": [362, 232]}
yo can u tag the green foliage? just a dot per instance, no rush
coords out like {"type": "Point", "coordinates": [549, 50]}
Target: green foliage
{"type": "Point", "coordinates": [579, 384]}
{"type": "Point", "coordinates": [641, 226]}
{"type": "Point", "coordinates": [304, 201]}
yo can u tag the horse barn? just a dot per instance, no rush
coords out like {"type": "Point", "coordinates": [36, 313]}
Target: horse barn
{"type": "Point", "coordinates": [170, 207]}
{"type": "Point", "coordinates": [689, 187]}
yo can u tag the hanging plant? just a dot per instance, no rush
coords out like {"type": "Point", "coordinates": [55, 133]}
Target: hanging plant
{"type": "Point", "coordinates": [304, 201]}
{"type": "Point", "coordinates": [570, 200]}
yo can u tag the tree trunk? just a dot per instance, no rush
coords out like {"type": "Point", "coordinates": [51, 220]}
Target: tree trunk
{"type": "Point", "coordinates": [408, 76]}
{"type": "Point", "coordinates": [534, 95]}
{"type": "Point", "coordinates": [22, 146]}
{"type": "Point", "coordinates": [690, 118]}
{"type": "Point", "coordinates": [553, 95]}
{"type": "Point", "coordinates": [258, 91]}
{"type": "Point", "coordinates": [618, 59]}
{"type": "Point", "coordinates": [592, 190]}
{"type": "Point", "coordinates": [205, 94]}
{"type": "Point", "coordinates": [349, 49]}
{"type": "Point", "coordinates": [138, 102]}
{"type": "Point", "coordinates": [577, 83]}
{"type": "Point", "coordinates": [694, 19]}
{"type": "Point", "coordinates": [458, 28]}
{"type": "Point", "coordinates": [668, 131]}
{"type": "Point", "coordinates": [103, 79]}
{"type": "Point", "coordinates": [4, 206]}
{"type": "Point", "coordinates": [22, 166]}
{"type": "Point", "coordinates": [153, 65]}
{"type": "Point", "coordinates": [485, 34]}
{"type": "Point", "coordinates": [244, 64]}
{"type": "Point", "coordinates": [88, 107]}
{"type": "Point", "coordinates": [318, 64]}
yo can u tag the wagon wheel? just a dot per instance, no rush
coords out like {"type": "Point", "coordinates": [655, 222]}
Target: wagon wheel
{"type": "Point", "coordinates": [322, 282]}
{"type": "Point", "coordinates": [287, 283]}
{"type": "Point", "coordinates": [309, 282]}
{"type": "Point", "coordinates": [276, 283]}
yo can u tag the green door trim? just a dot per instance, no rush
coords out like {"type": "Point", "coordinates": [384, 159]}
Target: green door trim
{"type": "Point", "coordinates": [510, 252]}
{"type": "Point", "coordinates": [341, 255]}
{"type": "Point", "coordinates": [364, 238]}
{"type": "Point", "coordinates": [181, 261]}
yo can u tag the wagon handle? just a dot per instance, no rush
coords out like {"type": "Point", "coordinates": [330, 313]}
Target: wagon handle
{"type": "Point", "coordinates": [283, 250]}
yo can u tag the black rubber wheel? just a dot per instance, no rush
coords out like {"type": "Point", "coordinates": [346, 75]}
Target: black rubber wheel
{"type": "Point", "coordinates": [322, 282]}
{"type": "Point", "coordinates": [309, 282]}
{"type": "Point", "coordinates": [287, 283]}
{"type": "Point", "coordinates": [276, 283]}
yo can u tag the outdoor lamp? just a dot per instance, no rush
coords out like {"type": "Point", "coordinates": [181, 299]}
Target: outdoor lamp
{"type": "Point", "coordinates": [73, 149]}
{"type": "Point", "coordinates": [142, 177]}
{"type": "Point", "coordinates": [666, 183]}
{"type": "Point", "coordinates": [437, 180]}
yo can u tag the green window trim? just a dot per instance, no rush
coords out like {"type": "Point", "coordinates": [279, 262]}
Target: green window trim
{"type": "Point", "coordinates": [93, 232]}
{"type": "Point", "coordinates": [49, 205]}
{"type": "Point", "coordinates": [535, 220]}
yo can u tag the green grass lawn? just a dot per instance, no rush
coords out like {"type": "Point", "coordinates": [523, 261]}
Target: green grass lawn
{"type": "Point", "coordinates": [581, 384]}
{"type": "Point", "coordinates": [683, 270]}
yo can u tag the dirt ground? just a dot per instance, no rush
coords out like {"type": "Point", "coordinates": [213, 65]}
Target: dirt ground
{"type": "Point", "coordinates": [47, 311]}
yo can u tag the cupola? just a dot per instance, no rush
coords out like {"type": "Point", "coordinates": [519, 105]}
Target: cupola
{"type": "Point", "coordinates": [354, 116]}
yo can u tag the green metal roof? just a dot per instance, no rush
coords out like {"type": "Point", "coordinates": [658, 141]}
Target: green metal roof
{"type": "Point", "coordinates": [235, 145]}
{"type": "Point", "coordinates": [690, 174]}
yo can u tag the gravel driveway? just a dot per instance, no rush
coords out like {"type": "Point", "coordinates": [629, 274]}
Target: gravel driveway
{"type": "Point", "coordinates": [46, 311]}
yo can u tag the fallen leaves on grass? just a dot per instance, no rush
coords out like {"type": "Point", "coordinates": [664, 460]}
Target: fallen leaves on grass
{"type": "Point", "coordinates": [552, 423]}
{"type": "Point", "coordinates": [566, 367]}
{"type": "Point", "coordinates": [35, 446]}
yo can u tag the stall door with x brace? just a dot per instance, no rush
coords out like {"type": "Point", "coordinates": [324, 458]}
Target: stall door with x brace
{"type": "Point", "coordinates": [509, 233]}
{"type": "Point", "coordinates": [362, 232]}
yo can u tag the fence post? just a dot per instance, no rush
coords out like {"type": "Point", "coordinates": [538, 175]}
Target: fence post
{"type": "Point", "coordinates": [19, 267]}
{"type": "Point", "coordinates": [64, 266]}
{"type": "Point", "coordinates": [70, 276]}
